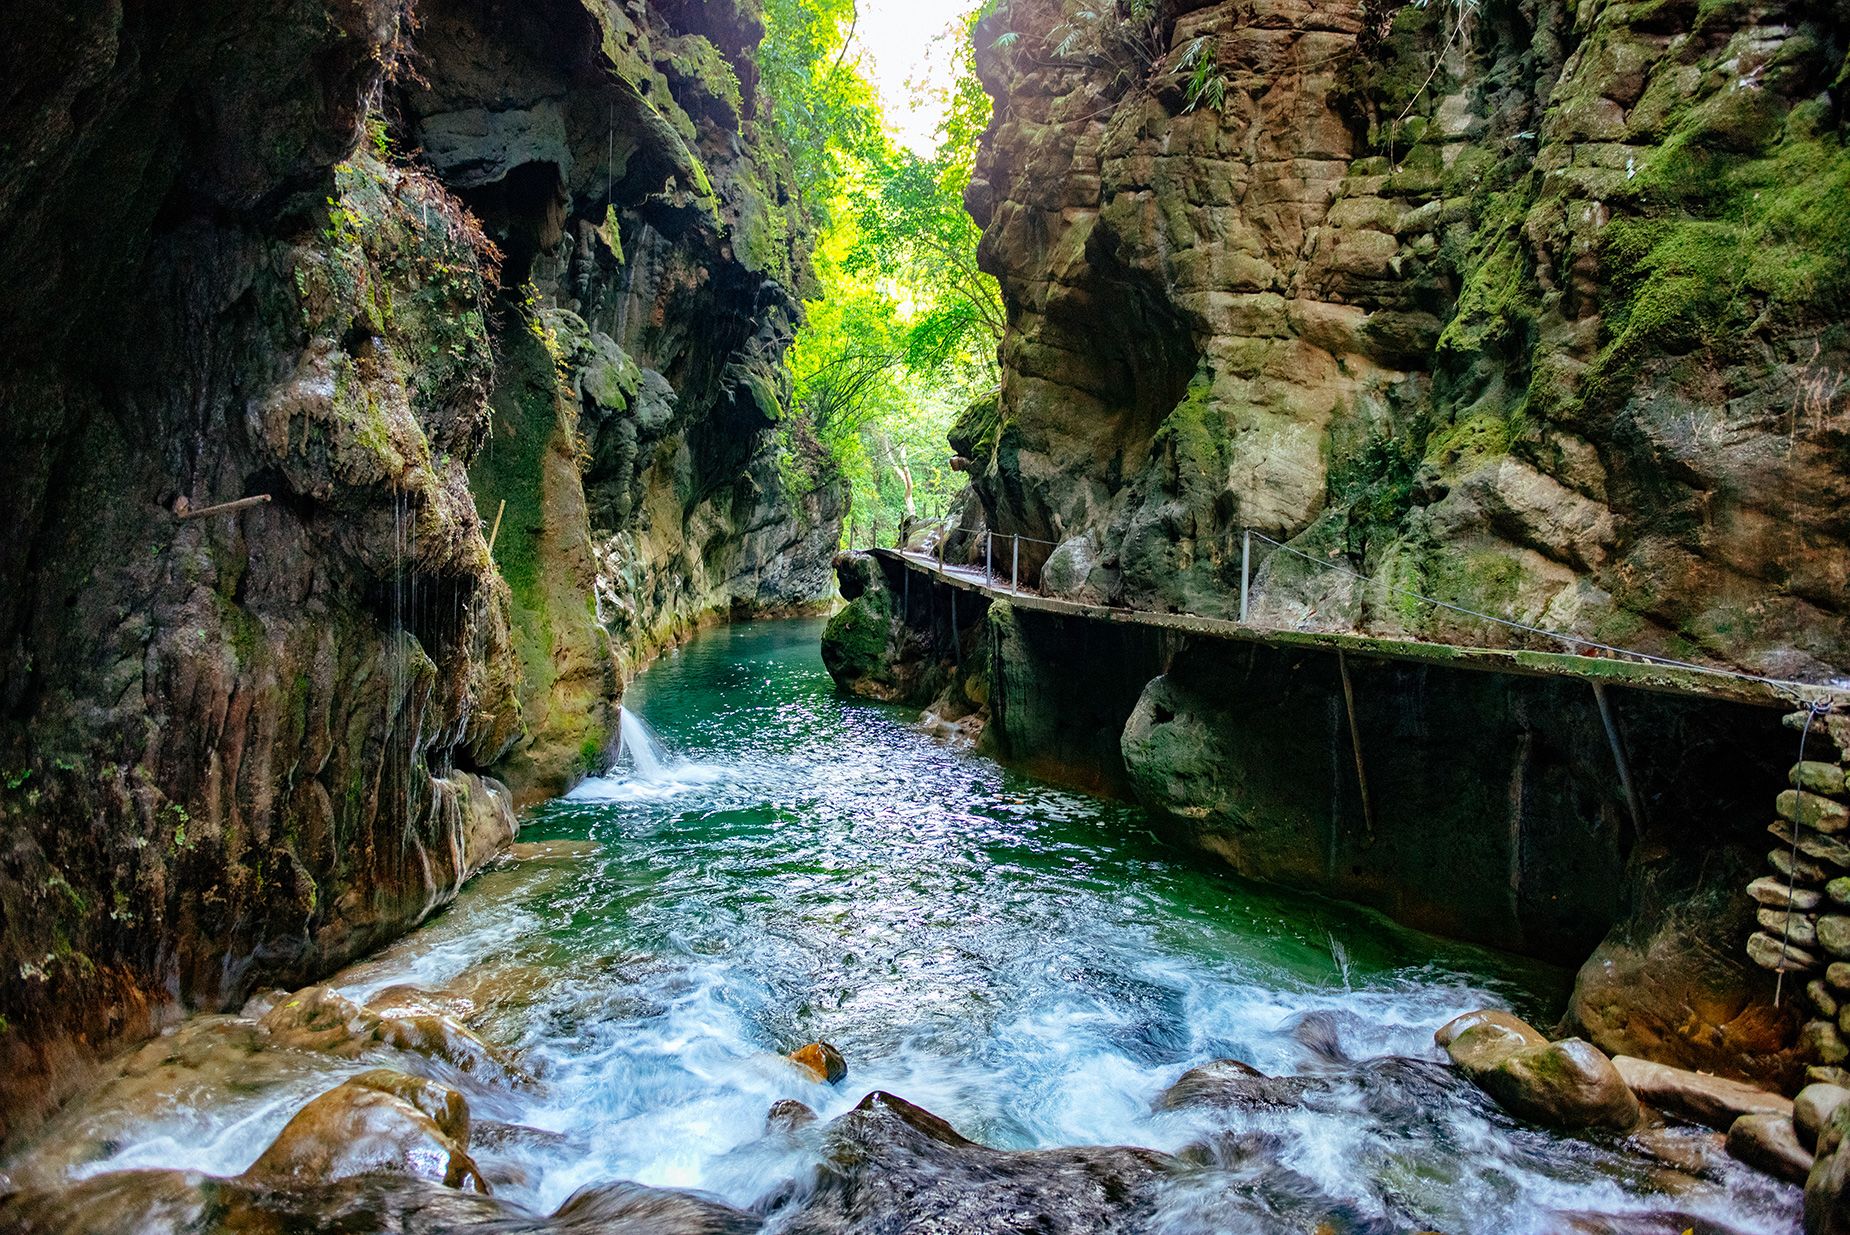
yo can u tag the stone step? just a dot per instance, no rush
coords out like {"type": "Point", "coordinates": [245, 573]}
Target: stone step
{"type": "Point", "coordinates": [1793, 927]}
{"type": "Point", "coordinates": [1817, 776]}
{"type": "Point", "coordinates": [1766, 951]}
{"type": "Point", "coordinates": [1801, 870]}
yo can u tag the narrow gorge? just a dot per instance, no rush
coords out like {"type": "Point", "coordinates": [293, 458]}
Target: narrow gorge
{"type": "Point", "coordinates": [1314, 775]}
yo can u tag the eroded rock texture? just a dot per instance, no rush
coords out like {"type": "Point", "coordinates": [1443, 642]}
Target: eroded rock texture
{"type": "Point", "coordinates": [1533, 307]}
{"type": "Point", "coordinates": [384, 269]}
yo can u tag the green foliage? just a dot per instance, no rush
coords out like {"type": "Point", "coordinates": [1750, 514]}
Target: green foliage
{"type": "Point", "coordinates": [820, 104]}
{"type": "Point", "coordinates": [1730, 243]}
{"type": "Point", "coordinates": [903, 331]}
{"type": "Point", "coordinates": [1371, 487]}
{"type": "Point", "coordinates": [1204, 81]}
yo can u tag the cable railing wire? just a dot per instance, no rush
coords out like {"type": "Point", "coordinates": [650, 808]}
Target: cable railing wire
{"type": "Point", "coordinates": [1530, 628]}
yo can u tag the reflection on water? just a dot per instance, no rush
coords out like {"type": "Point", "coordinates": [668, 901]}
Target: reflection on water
{"type": "Point", "coordinates": [1030, 964]}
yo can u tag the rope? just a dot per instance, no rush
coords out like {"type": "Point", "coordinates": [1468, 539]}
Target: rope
{"type": "Point", "coordinates": [1792, 880]}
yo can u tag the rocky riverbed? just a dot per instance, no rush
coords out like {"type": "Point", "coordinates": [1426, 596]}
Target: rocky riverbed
{"type": "Point", "coordinates": [818, 970]}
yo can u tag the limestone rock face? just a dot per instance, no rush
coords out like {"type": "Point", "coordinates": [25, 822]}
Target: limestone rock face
{"type": "Point", "coordinates": [244, 746]}
{"type": "Point", "coordinates": [1532, 310]}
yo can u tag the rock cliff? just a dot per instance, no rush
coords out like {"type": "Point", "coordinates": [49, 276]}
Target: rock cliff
{"type": "Point", "coordinates": [385, 277]}
{"type": "Point", "coordinates": [1533, 307]}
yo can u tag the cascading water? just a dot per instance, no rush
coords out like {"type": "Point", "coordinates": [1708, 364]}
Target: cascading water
{"type": "Point", "coordinates": [1032, 965]}
{"type": "Point", "coordinates": [636, 740]}
{"type": "Point", "coordinates": [644, 768]}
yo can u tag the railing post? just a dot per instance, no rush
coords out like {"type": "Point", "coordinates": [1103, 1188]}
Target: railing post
{"type": "Point", "coordinates": [989, 553]}
{"type": "Point", "coordinates": [1246, 569]}
{"type": "Point", "coordinates": [1015, 566]}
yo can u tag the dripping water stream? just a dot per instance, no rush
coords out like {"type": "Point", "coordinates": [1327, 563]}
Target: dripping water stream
{"type": "Point", "coordinates": [771, 864]}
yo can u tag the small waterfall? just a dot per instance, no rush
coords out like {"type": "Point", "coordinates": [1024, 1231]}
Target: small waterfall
{"type": "Point", "coordinates": [654, 772]}
{"type": "Point", "coordinates": [648, 758]}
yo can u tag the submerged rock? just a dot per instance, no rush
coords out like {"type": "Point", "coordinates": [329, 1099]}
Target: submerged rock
{"type": "Point", "coordinates": [1230, 1084]}
{"type": "Point", "coordinates": [380, 1121]}
{"type": "Point", "coordinates": [633, 1209]}
{"type": "Point", "coordinates": [321, 1019]}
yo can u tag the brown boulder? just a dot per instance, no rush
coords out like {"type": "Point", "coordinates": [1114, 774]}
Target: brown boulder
{"type": "Point", "coordinates": [321, 1019]}
{"type": "Point", "coordinates": [379, 1121]}
{"type": "Point", "coordinates": [1813, 1109]}
{"type": "Point", "coordinates": [1697, 1096]}
{"type": "Point", "coordinates": [1479, 1041]}
{"type": "Point", "coordinates": [1827, 1184]}
{"type": "Point", "coordinates": [1568, 1084]}
{"type": "Point", "coordinates": [821, 1061]}
{"type": "Point", "coordinates": [1770, 1143]}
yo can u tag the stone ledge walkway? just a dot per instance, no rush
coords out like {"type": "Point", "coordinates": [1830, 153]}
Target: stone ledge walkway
{"type": "Point", "coordinates": [1664, 679]}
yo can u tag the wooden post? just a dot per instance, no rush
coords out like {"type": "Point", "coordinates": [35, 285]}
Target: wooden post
{"type": "Point", "coordinates": [1355, 744]}
{"type": "Point", "coordinates": [1246, 567]}
{"type": "Point", "coordinates": [496, 529]}
{"type": "Point", "coordinates": [1618, 758]}
{"type": "Point", "coordinates": [223, 508]}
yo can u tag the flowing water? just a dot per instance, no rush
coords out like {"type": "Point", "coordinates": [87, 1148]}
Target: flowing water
{"type": "Point", "coordinates": [781, 865]}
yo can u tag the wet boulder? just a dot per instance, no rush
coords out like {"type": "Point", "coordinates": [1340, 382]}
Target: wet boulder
{"type": "Point", "coordinates": [321, 1019]}
{"type": "Point", "coordinates": [821, 1061]}
{"type": "Point", "coordinates": [1568, 1084]}
{"type": "Point", "coordinates": [1813, 1108]}
{"type": "Point", "coordinates": [1827, 1184]}
{"type": "Point", "coordinates": [116, 1203]}
{"type": "Point", "coordinates": [1479, 1041]}
{"type": "Point", "coordinates": [787, 1116]}
{"type": "Point", "coordinates": [1770, 1143]}
{"type": "Point", "coordinates": [891, 1166]}
{"type": "Point", "coordinates": [378, 1122]}
{"type": "Point", "coordinates": [1696, 1096]}
{"type": "Point", "coordinates": [632, 1209]}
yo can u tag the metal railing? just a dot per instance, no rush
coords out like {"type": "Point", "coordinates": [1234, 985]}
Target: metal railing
{"type": "Point", "coordinates": [1577, 644]}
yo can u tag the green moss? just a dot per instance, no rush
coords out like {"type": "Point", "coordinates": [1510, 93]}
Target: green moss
{"type": "Point", "coordinates": [1727, 245]}
{"type": "Point", "coordinates": [1463, 446]}
{"type": "Point", "coordinates": [854, 643]}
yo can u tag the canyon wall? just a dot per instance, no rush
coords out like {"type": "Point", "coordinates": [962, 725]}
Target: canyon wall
{"type": "Point", "coordinates": [1532, 307]}
{"type": "Point", "coordinates": [1535, 309]}
{"type": "Point", "coordinates": [393, 279]}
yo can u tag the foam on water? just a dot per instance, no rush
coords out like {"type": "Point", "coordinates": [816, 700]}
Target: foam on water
{"type": "Point", "coordinates": [1032, 965]}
